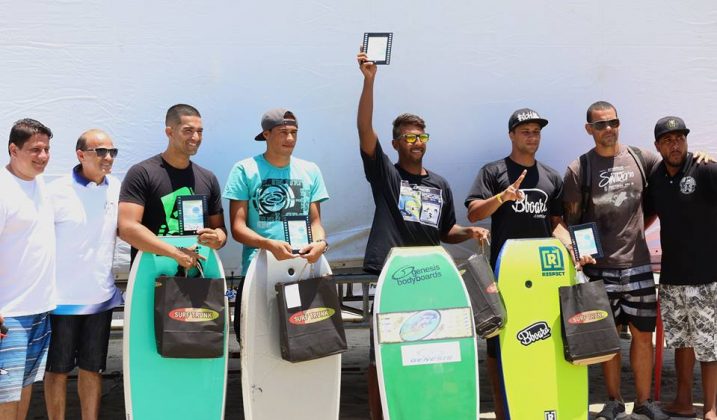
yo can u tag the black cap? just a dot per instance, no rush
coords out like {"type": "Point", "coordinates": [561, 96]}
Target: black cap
{"type": "Point", "coordinates": [669, 124]}
{"type": "Point", "coordinates": [525, 115]}
{"type": "Point", "coordinates": [275, 117]}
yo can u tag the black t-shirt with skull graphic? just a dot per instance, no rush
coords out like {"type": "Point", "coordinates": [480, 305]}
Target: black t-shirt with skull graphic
{"type": "Point", "coordinates": [687, 207]}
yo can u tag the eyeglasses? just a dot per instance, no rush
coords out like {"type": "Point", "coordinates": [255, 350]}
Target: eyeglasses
{"type": "Point", "coordinates": [601, 125]}
{"type": "Point", "coordinates": [102, 151]}
{"type": "Point", "coordinates": [411, 138]}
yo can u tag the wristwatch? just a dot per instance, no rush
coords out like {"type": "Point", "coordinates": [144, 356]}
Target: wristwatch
{"type": "Point", "coordinates": [325, 243]}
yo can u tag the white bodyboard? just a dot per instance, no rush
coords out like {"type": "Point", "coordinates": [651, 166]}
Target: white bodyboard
{"type": "Point", "coordinates": [273, 388]}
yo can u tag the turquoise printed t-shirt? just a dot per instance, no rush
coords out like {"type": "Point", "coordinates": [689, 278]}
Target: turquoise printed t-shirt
{"type": "Point", "coordinates": [272, 194]}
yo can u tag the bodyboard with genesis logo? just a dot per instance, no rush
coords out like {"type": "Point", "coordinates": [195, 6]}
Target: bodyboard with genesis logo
{"type": "Point", "coordinates": [273, 388]}
{"type": "Point", "coordinates": [538, 382]}
{"type": "Point", "coordinates": [167, 388]}
{"type": "Point", "coordinates": [424, 338]}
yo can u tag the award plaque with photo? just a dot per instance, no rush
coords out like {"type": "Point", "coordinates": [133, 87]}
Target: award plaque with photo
{"type": "Point", "coordinates": [297, 232]}
{"type": "Point", "coordinates": [585, 240]}
{"type": "Point", "coordinates": [377, 46]}
{"type": "Point", "coordinates": [192, 213]}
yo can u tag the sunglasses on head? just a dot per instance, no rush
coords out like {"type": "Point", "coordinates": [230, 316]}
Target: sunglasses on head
{"type": "Point", "coordinates": [411, 138]}
{"type": "Point", "coordinates": [102, 151]}
{"type": "Point", "coordinates": [601, 125]}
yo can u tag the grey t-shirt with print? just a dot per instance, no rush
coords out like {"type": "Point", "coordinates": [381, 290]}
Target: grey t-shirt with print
{"type": "Point", "coordinates": [615, 205]}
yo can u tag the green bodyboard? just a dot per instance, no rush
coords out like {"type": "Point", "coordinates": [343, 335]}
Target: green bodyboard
{"type": "Point", "coordinates": [538, 382]}
{"type": "Point", "coordinates": [166, 388]}
{"type": "Point", "coordinates": [424, 338]}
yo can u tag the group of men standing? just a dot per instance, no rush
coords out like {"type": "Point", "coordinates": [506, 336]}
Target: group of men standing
{"type": "Point", "coordinates": [59, 238]}
{"type": "Point", "coordinates": [609, 186]}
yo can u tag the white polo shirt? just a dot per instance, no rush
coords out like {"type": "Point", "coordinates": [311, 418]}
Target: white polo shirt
{"type": "Point", "coordinates": [86, 229]}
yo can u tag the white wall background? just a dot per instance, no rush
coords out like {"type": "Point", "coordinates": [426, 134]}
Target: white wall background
{"type": "Point", "coordinates": [463, 65]}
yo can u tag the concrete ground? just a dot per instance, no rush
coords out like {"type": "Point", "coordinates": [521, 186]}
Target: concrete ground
{"type": "Point", "coordinates": [354, 400]}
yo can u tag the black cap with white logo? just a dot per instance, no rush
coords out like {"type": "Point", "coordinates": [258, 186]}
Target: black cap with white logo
{"type": "Point", "coordinates": [525, 115]}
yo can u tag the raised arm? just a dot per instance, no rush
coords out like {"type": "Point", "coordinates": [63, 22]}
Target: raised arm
{"type": "Point", "coordinates": [364, 118]}
{"type": "Point", "coordinates": [480, 209]}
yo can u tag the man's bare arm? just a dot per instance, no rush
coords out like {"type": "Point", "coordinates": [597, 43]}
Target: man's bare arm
{"type": "Point", "coordinates": [573, 213]}
{"type": "Point", "coordinates": [244, 235]}
{"type": "Point", "coordinates": [364, 118]}
{"type": "Point", "coordinates": [313, 251]}
{"type": "Point", "coordinates": [132, 231]}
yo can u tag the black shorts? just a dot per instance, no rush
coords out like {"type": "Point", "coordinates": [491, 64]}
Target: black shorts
{"type": "Point", "coordinates": [632, 294]}
{"type": "Point", "coordinates": [79, 340]}
{"type": "Point", "coordinates": [492, 344]}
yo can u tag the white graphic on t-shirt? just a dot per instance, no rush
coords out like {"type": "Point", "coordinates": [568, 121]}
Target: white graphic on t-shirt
{"type": "Point", "coordinates": [535, 202]}
{"type": "Point", "coordinates": [617, 182]}
{"type": "Point", "coordinates": [688, 185]}
{"type": "Point", "coordinates": [420, 204]}
{"type": "Point", "coordinates": [618, 199]}
{"type": "Point", "coordinates": [615, 178]}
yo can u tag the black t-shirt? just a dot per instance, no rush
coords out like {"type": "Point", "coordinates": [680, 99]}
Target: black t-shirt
{"type": "Point", "coordinates": [529, 218]}
{"type": "Point", "coordinates": [155, 184]}
{"type": "Point", "coordinates": [687, 207]}
{"type": "Point", "coordinates": [411, 210]}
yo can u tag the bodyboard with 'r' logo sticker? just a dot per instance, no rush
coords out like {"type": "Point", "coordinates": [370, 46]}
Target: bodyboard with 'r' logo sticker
{"type": "Point", "coordinates": [538, 382]}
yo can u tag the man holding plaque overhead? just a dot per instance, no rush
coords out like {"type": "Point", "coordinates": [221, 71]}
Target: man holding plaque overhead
{"type": "Point", "coordinates": [684, 197]}
{"type": "Point", "coordinates": [148, 197]}
{"type": "Point", "coordinates": [273, 193]}
{"type": "Point", "coordinates": [414, 206]}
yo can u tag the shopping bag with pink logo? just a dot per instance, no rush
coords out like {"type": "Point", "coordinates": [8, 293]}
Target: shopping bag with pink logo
{"type": "Point", "coordinates": [310, 324]}
{"type": "Point", "coordinates": [588, 327]}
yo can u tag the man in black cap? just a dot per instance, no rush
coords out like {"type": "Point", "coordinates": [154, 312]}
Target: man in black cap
{"type": "Point", "coordinates": [266, 189]}
{"type": "Point", "coordinates": [523, 198]}
{"type": "Point", "coordinates": [414, 206]}
{"type": "Point", "coordinates": [684, 197]}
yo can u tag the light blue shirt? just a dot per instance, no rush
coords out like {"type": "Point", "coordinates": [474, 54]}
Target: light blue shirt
{"type": "Point", "coordinates": [272, 194]}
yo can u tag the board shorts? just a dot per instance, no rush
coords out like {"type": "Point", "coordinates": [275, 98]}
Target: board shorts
{"type": "Point", "coordinates": [632, 294]}
{"type": "Point", "coordinates": [23, 353]}
{"type": "Point", "coordinates": [79, 340]}
{"type": "Point", "coordinates": [689, 315]}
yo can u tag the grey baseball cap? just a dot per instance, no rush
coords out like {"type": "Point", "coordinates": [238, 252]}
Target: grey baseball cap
{"type": "Point", "coordinates": [275, 117]}
{"type": "Point", "coordinates": [669, 124]}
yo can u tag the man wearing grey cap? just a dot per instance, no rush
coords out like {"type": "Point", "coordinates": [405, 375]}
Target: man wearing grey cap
{"type": "Point", "coordinates": [684, 197]}
{"type": "Point", "coordinates": [266, 189]}
{"type": "Point", "coordinates": [523, 198]}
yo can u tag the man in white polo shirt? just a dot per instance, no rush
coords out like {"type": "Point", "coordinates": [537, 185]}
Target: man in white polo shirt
{"type": "Point", "coordinates": [85, 207]}
{"type": "Point", "coordinates": [27, 266]}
